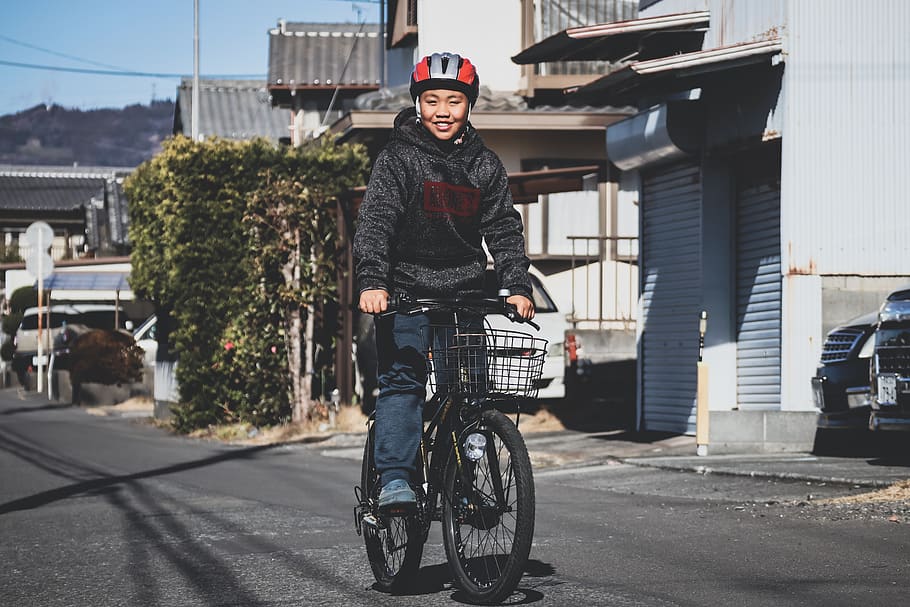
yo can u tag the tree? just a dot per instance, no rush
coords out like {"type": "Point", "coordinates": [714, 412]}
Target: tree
{"type": "Point", "coordinates": [293, 228]}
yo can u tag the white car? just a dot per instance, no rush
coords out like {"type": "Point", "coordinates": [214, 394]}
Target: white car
{"type": "Point", "coordinates": [146, 337]}
{"type": "Point", "coordinates": [553, 326]}
{"type": "Point", "coordinates": [61, 321]}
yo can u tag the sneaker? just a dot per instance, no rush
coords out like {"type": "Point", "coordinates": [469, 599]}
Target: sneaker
{"type": "Point", "coordinates": [397, 498]}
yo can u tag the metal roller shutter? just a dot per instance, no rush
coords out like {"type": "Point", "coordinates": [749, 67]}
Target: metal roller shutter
{"type": "Point", "coordinates": [671, 295]}
{"type": "Point", "coordinates": [758, 296]}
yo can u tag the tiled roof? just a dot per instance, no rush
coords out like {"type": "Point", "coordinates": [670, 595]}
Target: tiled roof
{"type": "Point", "coordinates": [308, 55]}
{"type": "Point", "coordinates": [54, 189]}
{"type": "Point", "coordinates": [232, 109]}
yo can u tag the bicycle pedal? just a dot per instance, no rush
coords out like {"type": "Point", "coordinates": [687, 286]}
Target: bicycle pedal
{"type": "Point", "coordinates": [370, 521]}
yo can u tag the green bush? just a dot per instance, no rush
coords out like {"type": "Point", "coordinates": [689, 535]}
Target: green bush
{"type": "Point", "coordinates": [202, 250]}
{"type": "Point", "coordinates": [11, 322]}
{"type": "Point", "coordinates": [23, 298]}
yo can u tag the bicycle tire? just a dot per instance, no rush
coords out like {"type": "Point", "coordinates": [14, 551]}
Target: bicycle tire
{"type": "Point", "coordinates": [394, 544]}
{"type": "Point", "coordinates": [488, 546]}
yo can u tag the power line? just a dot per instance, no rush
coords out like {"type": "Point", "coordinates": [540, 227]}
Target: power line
{"type": "Point", "coordinates": [83, 70]}
{"type": "Point", "coordinates": [64, 55]}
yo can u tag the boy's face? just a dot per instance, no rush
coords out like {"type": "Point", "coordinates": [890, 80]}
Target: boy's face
{"type": "Point", "coordinates": [443, 112]}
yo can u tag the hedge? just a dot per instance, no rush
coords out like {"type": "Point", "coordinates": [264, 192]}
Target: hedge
{"type": "Point", "coordinates": [201, 254]}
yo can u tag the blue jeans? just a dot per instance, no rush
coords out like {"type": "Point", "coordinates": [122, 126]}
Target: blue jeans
{"type": "Point", "coordinates": [402, 370]}
{"type": "Point", "coordinates": [401, 345]}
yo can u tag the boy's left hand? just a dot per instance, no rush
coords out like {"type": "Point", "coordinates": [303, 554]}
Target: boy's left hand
{"type": "Point", "coordinates": [523, 305]}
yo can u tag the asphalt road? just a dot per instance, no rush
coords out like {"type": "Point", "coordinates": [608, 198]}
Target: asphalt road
{"type": "Point", "coordinates": [112, 511]}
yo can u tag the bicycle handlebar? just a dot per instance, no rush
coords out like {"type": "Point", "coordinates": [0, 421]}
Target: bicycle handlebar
{"type": "Point", "coordinates": [400, 304]}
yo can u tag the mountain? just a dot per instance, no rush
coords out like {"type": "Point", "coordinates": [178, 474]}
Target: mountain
{"type": "Point", "coordinates": [54, 135]}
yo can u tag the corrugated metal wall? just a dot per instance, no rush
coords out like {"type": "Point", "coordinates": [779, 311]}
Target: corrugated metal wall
{"type": "Point", "coordinates": [735, 21]}
{"type": "Point", "coordinates": [758, 296]}
{"type": "Point", "coordinates": [670, 296]}
{"type": "Point", "coordinates": [846, 147]}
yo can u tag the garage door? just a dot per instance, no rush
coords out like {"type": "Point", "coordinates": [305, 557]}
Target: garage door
{"type": "Point", "coordinates": [671, 296]}
{"type": "Point", "coordinates": [758, 296]}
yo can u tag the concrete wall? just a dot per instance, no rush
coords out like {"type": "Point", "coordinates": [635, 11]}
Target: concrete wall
{"type": "Point", "coordinates": [761, 431]}
{"type": "Point", "coordinates": [846, 297]}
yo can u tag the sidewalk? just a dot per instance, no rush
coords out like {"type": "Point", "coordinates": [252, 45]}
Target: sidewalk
{"type": "Point", "coordinates": [871, 466]}
{"type": "Point", "coordinates": [876, 468]}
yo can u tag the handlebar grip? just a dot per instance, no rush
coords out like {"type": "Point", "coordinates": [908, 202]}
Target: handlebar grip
{"type": "Point", "coordinates": [399, 303]}
{"type": "Point", "coordinates": [511, 312]}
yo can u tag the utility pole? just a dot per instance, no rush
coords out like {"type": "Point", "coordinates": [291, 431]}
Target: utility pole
{"type": "Point", "coordinates": [194, 113]}
{"type": "Point", "coordinates": [382, 45]}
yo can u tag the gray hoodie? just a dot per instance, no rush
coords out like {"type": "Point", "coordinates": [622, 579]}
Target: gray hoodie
{"type": "Point", "coordinates": [427, 207]}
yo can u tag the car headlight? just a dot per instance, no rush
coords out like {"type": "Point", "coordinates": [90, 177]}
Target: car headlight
{"type": "Point", "coordinates": [556, 349]}
{"type": "Point", "coordinates": [868, 347]}
{"type": "Point", "coordinates": [894, 311]}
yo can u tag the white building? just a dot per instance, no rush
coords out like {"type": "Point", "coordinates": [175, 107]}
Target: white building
{"type": "Point", "coordinates": [769, 156]}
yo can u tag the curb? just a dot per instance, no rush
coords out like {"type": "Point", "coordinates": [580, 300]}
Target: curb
{"type": "Point", "coordinates": [790, 476]}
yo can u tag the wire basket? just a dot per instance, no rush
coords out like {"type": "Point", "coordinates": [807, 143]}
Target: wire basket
{"type": "Point", "coordinates": [485, 362]}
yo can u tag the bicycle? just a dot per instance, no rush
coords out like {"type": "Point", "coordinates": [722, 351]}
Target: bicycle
{"type": "Point", "coordinates": [473, 473]}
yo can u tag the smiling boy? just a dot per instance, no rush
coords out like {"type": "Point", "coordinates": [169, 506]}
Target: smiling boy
{"type": "Point", "coordinates": [436, 194]}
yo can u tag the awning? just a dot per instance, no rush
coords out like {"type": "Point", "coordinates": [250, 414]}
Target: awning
{"type": "Point", "coordinates": [87, 281]}
{"type": "Point", "coordinates": [613, 41]}
{"type": "Point", "coordinates": [674, 73]}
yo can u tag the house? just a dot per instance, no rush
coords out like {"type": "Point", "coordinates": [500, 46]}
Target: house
{"type": "Point", "coordinates": [316, 70]}
{"type": "Point", "coordinates": [771, 178]}
{"type": "Point", "coordinates": [231, 109]}
{"type": "Point", "coordinates": [85, 207]}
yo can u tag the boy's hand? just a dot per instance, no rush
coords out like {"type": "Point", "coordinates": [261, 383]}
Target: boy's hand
{"type": "Point", "coordinates": [523, 305]}
{"type": "Point", "coordinates": [374, 301]}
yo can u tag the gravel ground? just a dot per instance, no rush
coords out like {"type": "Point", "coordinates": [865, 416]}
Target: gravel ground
{"type": "Point", "coordinates": [889, 505]}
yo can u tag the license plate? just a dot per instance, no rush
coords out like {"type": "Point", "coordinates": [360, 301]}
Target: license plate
{"type": "Point", "coordinates": [887, 389]}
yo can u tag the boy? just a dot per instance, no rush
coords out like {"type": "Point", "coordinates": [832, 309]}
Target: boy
{"type": "Point", "coordinates": [435, 193]}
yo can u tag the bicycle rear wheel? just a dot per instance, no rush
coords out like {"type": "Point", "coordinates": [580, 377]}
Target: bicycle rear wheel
{"type": "Point", "coordinates": [488, 511]}
{"type": "Point", "coordinates": [394, 544]}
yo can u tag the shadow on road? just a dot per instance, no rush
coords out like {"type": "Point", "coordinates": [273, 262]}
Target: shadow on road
{"type": "Point", "coordinates": [20, 449]}
{"type": "Point", "coordinates": [47, 407]}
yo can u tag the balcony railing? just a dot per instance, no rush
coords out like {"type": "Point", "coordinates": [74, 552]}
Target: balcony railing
{"type": "Point", "coordinates": [604, 292]}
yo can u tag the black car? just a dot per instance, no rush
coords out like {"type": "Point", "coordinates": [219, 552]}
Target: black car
{"type": "Point", "coordinates": [841, 383]}
{"type": "Point", "coordinates": [890, 389]}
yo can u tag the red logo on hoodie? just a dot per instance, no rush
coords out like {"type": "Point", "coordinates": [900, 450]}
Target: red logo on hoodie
{"type": "Point", "coordinates": [439, 197]}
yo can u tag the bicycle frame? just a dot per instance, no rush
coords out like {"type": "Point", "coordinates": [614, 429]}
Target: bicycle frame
{"type": "Point", "coordinates": [472, 471]}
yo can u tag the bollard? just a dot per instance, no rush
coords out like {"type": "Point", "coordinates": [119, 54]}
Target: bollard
{"type": "Point", "coordinates": [333, 409]}
{"type": "Point", "coordinates": [701, 392]}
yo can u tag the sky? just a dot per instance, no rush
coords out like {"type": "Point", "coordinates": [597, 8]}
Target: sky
{"type": "Point", "coordinates": [147, 36]}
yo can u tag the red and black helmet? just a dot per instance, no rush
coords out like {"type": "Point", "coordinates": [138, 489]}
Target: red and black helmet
{"type": "Point", "coordinates": [447, 71]}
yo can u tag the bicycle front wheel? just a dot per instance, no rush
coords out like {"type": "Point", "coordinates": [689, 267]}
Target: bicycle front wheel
{"type": "Point", "coordinates": [488, 510]}
{"type": "Point", "coordinates": [394, 544]}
